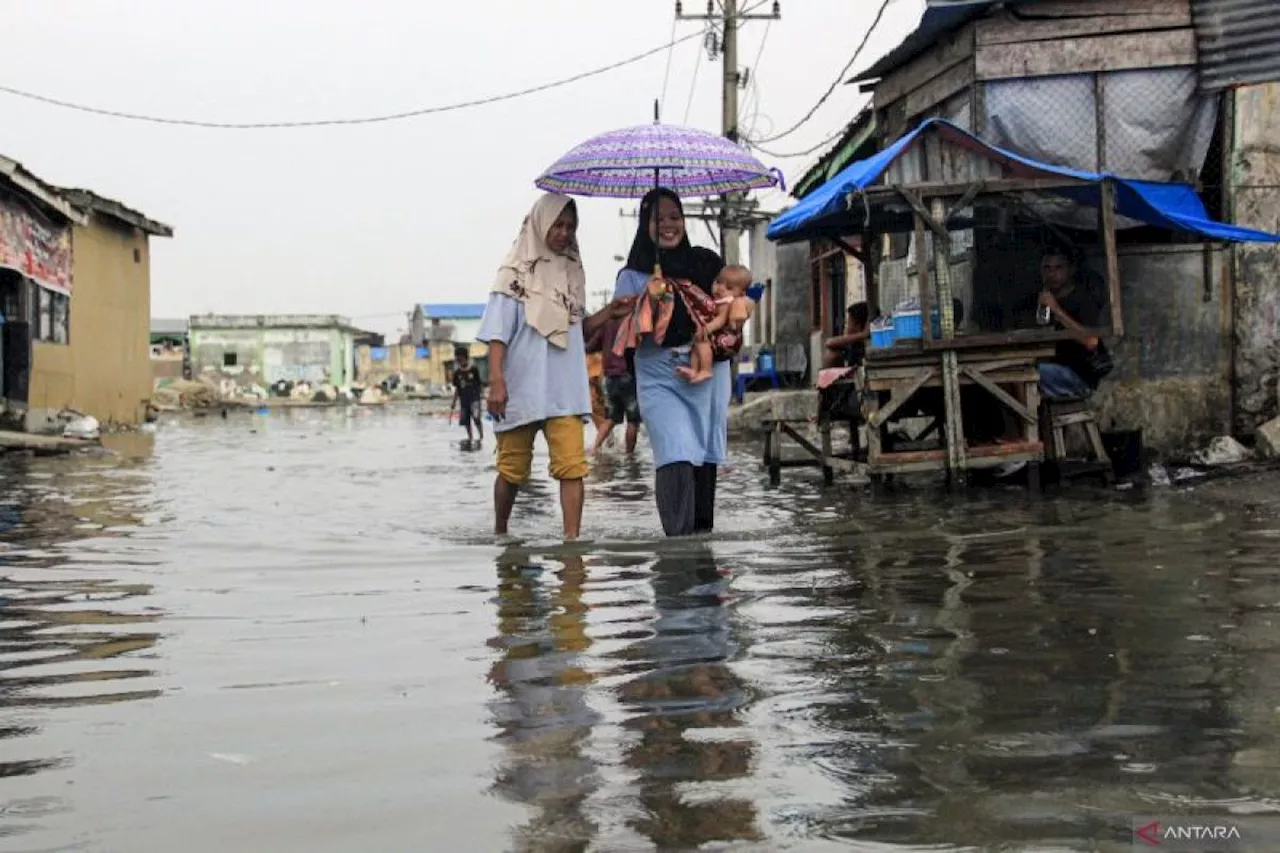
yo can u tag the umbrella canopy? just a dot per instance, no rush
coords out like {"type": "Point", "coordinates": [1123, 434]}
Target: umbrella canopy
{"type": "Point", "coordinates": [627, 163]}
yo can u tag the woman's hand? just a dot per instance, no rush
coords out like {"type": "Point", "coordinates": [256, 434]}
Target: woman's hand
{"type": "Point", "coordinates": [497, 402]}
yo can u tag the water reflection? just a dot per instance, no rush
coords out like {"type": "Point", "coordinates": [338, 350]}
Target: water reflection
{"type": "Point", "coordinates": [689, 749]}
{"type": "Point", "coordinates": [1018, 680]}
{"type": "Point", "coordinates": [543, 717]}
{"type": "Point", "coordinates": [73, 631]}
{"type": "Point", "coordinates": [348, 663]}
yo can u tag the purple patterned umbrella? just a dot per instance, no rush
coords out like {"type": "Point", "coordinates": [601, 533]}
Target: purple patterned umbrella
{"type": "Point", "coordinates": [628, 163]}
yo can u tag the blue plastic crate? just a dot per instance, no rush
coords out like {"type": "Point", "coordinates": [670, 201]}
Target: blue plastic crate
{"type": "Point", "coordinates": [907, 325]}
{"type": "Point", "coordinates": [882, 337]}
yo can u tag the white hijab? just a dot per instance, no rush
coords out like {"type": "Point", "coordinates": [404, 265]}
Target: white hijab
{"type": "Point", "coordinates": [553, 287]}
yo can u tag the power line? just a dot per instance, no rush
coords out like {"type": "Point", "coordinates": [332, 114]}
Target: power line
{"type": "Point", "coordinates": [753, 94]}
{"type": "Point", "coordinates": [884, 5]}
{"type": "Point", "coordinates": [666, 75]}
{"type": "Point", "coordinates": [414, 113]}
{"type": "Point", "coordinates": [805, 153]}
{"type": "Point", "coordinates": [693, 85]}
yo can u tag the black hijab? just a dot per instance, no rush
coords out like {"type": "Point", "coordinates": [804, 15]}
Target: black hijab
{"type": "Point", "coordinates": [685, 261]}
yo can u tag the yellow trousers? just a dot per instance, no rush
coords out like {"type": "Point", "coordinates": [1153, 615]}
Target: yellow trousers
{"type": "Point", "coordinates": [566, 444]}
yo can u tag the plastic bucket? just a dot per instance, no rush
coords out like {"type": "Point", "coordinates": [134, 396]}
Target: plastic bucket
{"type": "Point", "coordinates": [764, 362]}
{"type": "Point", "coordinates": [1125, 449]}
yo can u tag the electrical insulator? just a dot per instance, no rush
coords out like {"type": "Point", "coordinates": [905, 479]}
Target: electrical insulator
{"type": "Point", "coordinates": [679, 8]}
{"type": "Point", "coordinates": [777, 9]}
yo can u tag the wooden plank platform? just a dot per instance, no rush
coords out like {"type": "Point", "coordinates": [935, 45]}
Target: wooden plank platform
{"type": "Point", "coordinates": [980, 456]}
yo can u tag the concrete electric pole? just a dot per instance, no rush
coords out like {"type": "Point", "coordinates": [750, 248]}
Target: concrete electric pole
{"type": "Point", "coordinates": [729, 19]}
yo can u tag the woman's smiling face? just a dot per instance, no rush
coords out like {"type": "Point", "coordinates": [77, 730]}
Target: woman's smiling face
{"type": "Point", "coordinates": [668, 231]}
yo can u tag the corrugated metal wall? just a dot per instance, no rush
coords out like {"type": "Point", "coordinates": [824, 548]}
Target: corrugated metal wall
{"type": "Point", "coordinates": [1238, 41]}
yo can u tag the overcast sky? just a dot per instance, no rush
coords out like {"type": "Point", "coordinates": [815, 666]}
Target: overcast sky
{"type": "Point", "coordinates": [367, 221]}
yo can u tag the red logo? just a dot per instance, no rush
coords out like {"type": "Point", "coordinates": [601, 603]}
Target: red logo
{"type": "Point", "coordinates": [1149, 833]}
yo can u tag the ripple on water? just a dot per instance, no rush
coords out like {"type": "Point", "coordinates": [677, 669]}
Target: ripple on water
{"type": "Point", "coordinates": [297, 626]}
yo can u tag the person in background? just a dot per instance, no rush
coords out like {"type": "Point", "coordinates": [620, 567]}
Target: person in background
{"type": "Point", "coordinates": [687, 424]}
{"type": "Point", "coordinates": [466, 392]}
{"type": "Point", "coordinates": [847, 350]}
{"type": "Point", "coordinates": [619, 392]}
{"type": "Point", "coordinates": [534, 326]}
{"type": "Point", "coordinates": [595, 376]}
{"type": "Point", "coordinates": [1072, 299]}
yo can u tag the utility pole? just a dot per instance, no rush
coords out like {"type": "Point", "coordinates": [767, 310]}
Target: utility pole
{"type": "Point", "coordinates": [729, 19]}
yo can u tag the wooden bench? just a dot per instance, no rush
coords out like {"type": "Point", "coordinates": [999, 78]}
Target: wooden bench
{"type": "Point", "coordinates": [777, 430]}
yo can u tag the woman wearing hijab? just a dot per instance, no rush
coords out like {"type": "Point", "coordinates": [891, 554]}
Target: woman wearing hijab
{"type": "Point", "coordinates": [688, 423]}
{"type": "Point", "coordinates": [533, 325]}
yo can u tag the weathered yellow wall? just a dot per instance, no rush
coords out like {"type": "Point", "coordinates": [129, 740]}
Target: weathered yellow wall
{"type": "Point", "coordinates": [105, 370]}
{"type": "Point", "coordinates": [401, 359]}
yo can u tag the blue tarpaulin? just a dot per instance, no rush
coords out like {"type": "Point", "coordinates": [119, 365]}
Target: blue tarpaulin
{"type": "Point", "coordinates": [1166, 205]}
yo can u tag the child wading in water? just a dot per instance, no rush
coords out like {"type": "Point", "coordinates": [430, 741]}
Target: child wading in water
{"type": "Point", "coordinates": [722, 334]}
{"type": "Point", "coordinates": [466, 391]}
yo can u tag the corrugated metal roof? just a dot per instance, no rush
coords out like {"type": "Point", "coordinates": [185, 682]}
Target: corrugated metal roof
{"type": "Point", "coordinates": [860, 132]}
{"type": "Point", "coordinates": [1238, 41]}
{"type": "Point", "coordinates": [46, 194]}
{"type": "Point", "coordinates": [453, 310]}
{"type": "Point", "coordinates": [940, 17]}
{"type": "Point", "coordinates": [89, 200]}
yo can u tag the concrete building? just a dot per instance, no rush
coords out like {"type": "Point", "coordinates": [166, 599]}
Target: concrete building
{"type": "Point", "coordinates": [75, 290]}
{"type": "Point", "coordinates": [104, 368]}
{"type": "Point", "coordinates": [445, 321]}
{"type": "Point", "coordinates": [261, 350]}
{"type": "Point", "coordinates": [169, 352]}
{"type": "Point", "coordinates": [428, 367]}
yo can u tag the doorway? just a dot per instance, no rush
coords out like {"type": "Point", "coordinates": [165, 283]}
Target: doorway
{"type": "Point", "coordinates": [15, 340]}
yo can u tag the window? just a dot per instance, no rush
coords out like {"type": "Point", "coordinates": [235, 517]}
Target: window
{"type": "Point", "coordinates": [50, 315]}
{"type": "Point", "coordinates": [228, 359]}
{"type": "Point", "coordinates": [61, 319]}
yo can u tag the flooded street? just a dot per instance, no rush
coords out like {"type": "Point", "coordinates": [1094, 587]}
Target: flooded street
{"type": "Point", "coordinates": [294, 633]}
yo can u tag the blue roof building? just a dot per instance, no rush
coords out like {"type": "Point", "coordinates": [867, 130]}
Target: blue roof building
{"type": "Point", "coordinates": [453, 310]}
{"type": "Point", "coordinates": [446, 321]}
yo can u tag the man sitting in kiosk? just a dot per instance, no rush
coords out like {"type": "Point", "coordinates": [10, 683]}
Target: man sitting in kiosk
{"type": "Point", "coordinates": [1072, 298]}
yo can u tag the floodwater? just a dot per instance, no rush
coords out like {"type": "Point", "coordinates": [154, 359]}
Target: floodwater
{"type": "Point", "coordinates": [292, 633]}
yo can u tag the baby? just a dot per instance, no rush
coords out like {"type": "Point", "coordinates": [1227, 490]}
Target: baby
{"type": "Point", "coordinates": [722, 334]}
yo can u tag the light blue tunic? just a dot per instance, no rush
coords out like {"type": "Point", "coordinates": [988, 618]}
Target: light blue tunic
{"type": "Point", "coordinates": [543, 381]}
{"type": "Point", "coordinates": [686, 423]}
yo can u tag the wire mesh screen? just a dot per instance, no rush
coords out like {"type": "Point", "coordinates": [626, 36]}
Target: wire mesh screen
{"type": "Point", "coordinates": [1151, 124]}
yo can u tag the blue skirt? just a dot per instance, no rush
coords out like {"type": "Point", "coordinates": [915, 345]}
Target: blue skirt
{"type": "Point", "coordinates": [686, 423]}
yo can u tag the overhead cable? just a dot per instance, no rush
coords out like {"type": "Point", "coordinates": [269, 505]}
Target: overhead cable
{"type": "Point", "coordinates": [839, 79]}
{"type": "Point", "coordinates": [331, 122]}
